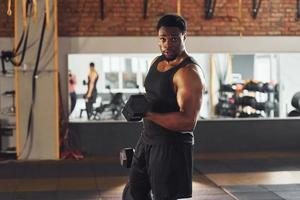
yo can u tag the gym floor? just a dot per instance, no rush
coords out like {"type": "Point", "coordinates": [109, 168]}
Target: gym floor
{"type": "Point", "coordinates": [217, 176]}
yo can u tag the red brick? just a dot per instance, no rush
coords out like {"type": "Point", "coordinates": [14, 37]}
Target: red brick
{"type": "Point", "coordinates": [125, 18]}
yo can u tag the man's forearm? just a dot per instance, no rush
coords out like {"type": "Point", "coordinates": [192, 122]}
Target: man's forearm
{"type": "Point", "coordinates": [175, 121]}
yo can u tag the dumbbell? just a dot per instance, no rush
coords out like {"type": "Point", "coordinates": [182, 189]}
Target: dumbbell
{"type": "Point", "coordinates": [135, 108]}
{"type": "Point", "coordinates": [246, 101]}
{"type": "Point", "coordinates": [296, 100]}
{"type": "Point", "coordinates": [294, 113]}
{"type": "Point", "coordinates": [268, 87]}
{"type": "Point", "coordinates": [126, 156]}
{"type": "Point", "coordinates": [253, 86]}
{"type": "Point", "coordinates": [246, 115]}
{"type": "Point", "coordinates": [227, 88]}
{"type": "Point", "coordinates": [266, 106]}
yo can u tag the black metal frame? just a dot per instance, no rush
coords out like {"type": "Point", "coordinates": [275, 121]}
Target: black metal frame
{"type": "Point", "coordinates": [255, 7]}
{"type": "Point", "coordinates": [145, 9]}
{"type": "Point", "coordinates": [209, 8]}
{"type": "Point", "coordinates": [298, 9]}
{"type": "Point", "coordinates": [101, 4]}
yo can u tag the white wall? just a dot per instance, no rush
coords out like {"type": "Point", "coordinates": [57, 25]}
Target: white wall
{"type": "Point", "coordinates": [289, 66]}
{"type": "Point", "coordinates": [195, 44]}
{"type": "Point", "coordinates": [6, 43]}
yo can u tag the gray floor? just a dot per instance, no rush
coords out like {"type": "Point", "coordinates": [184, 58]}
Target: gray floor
{"type": "Point", "coordinates": [103, 178]}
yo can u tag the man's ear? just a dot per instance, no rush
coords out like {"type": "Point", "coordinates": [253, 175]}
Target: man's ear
{"type": "Point", "coordinates": [184, 36]}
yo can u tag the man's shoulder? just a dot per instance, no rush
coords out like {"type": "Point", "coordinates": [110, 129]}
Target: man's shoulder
{"type": "Point", "coordinates": [191, 72]}
{"type": "Point", "coordinates": [94, 75]}
{"type": "Point", "coordinates": [189, 67]}
{"type": "Point", "coordinates": [156, 59]}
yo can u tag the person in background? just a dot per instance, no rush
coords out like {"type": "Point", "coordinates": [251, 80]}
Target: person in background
{"type": "Point", "coordinates": [91, 94]}
{"type": "Point", "coordinates": [72, 92]}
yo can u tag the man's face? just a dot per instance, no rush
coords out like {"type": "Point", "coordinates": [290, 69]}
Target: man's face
{"type": "Point", "coordinates": [171, 42]}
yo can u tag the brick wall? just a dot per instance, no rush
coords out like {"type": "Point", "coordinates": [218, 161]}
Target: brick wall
{"type": "Point", "coordinates": [125, 18]}
{"type": "Point", "coordinates": [6, 22]}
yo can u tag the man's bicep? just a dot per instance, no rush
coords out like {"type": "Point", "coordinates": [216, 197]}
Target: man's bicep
{"type": "Point", "coordinates": [189, 94]}
{"type": "Point", "coordinates": [189, 100]}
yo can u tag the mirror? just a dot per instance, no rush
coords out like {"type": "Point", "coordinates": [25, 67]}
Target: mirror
{"type": "Point", "coordinates": [120, 75]}
{"type": "Point", "coordinates": [254, 85]}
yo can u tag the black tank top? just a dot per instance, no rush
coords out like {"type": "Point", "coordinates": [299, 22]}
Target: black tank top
{"type": "Point", "coordinates": [162, 98]}
{"type": "Point", "coordinates": [95, 84]}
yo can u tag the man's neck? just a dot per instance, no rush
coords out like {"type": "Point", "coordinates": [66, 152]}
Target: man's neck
{"type": "Point", "coordinates": [178, 59]}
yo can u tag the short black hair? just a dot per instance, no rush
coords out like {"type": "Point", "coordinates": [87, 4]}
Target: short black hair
{"type": "Point", "coordinates": [92, 64]}
{"type": "Point", "coordinates": [172, 20]}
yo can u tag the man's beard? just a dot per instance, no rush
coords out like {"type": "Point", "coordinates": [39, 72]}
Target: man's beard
{"type": "Point", "coordinates": [170, 58]}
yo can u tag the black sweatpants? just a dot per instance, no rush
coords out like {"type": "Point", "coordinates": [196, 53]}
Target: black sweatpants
{"type": "Point", "coordinates": [164, 169]}
{"type": "Point", "coordinates": [90, 102]}
{"type": "Point", "coordinates": [73, 97]}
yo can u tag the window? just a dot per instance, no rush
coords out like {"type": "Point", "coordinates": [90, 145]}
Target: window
{"type": "Point", "coordinates": [129, 73]}
{"type": "Point", "coordinates": [111, 68]}
{"type": "Point", "coordinates": [122, 72]}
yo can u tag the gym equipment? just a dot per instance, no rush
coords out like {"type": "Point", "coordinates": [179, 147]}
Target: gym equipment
{"type": "Point", "coordinates": [233, 98]}
{"type": "Point", "coordinates": [115, 106]}
{"type": "Point", "coordinates": [296, 104]}
{"type": "Point", "coordinates": [209, 8]}
{"type": "Point", "coordinates": [12, 109]}
{"type": "Point", "coordinates": [126, 156]}
{"type": "Point", "coordinates": [246, 101]}
{"type": "Point", "coordinates": [265, 106]}
{"type": "Point", "coordinates": [254, 86]}
{"type": "Point", "coordinates": [227, 88]}
{"type": "Point", "coordinates": [296, 100]}
{"type": "Point", "coordinates": [268, 87]}
{"type": "Point", "coordinates": [255, 8]}
{"type": "Point", "coordinates": [294, 113]}
{"type": "Point", "coordinates": [251, 115]}
{"type": "Point", "coordinates": [226, 107]}
{"type": "Point", "coordinates": [135, 108]}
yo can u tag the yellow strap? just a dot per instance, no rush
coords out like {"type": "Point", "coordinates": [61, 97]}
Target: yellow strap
{"type": "Point", "coordinates": [47, 13]}
{"type": "Point", "coordinates": [24, 14]}
{"type": "Point", "coordinates": [34, 4]}
{"type": "Point", "coordinates": [56, 78]}
{"type": "Point", "coordinates": [16, 86]}
{"type": "Point", "coordinates": [9, 8]}
{"type": "Point", "coordinates": [178, 7]}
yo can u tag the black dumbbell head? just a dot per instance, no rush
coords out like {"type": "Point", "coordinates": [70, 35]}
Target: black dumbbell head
{"type": "Point", "coordinates": [126, 156]}
{"type": "Point", "coordinates": [135, 108]}
{"type": "Point", "coordinates": [246, 101]}
{"type": "Point", "coordinates": [296, 100]}
{"type": "Point", "coordinates": [268, 87]}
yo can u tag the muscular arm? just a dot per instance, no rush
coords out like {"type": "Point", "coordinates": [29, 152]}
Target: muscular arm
{"type": "Point", "coordinates": [189, 86]}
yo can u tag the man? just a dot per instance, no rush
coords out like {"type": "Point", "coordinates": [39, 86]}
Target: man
{"type": "Point", "coordinates": [163, 160]}
{"type": "Point", "coordinates": [91, 95]}
{"type": "Point", "coordinates": [72, 92]}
